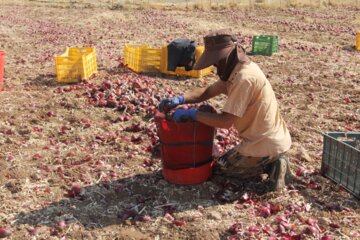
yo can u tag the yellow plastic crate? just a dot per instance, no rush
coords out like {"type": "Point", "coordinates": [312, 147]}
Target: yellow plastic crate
{"type": "Point", "coordinates": [358, 41]}
{"type": "Point", "coordinates": [75, 64]}
{"type": "Point", "coordinates": [142, 58]}
{"type": "Point", "coordinates": [180, 71]}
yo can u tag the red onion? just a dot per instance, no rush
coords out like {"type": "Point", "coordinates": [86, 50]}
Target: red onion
{"type": "Point", "coordinates": [4, 232]}
{"type": "Point", "coordinates": [327, 237]}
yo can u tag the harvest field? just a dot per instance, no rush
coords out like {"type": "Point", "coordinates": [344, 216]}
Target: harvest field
{"type": "Point", "coordinates": [81, 161]}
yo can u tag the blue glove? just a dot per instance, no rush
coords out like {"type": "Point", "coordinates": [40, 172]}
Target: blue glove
{"type": "Point", "coordinates": [169, 103]}
{"type": "Point", "coordinates": [181, 115]}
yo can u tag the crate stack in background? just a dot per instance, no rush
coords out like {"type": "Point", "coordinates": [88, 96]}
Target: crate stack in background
{"type": "Point", "coordinates": [76, 64]}
{"type": "Point", "coordinates": [142, 58]}
{"type": "Point", "coordinates": [180, 71]}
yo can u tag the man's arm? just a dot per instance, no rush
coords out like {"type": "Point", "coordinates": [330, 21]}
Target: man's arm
{"type": "Point", "coordinates": [217, 120]}
{"type": "Point", "coordinates": [203, 94]}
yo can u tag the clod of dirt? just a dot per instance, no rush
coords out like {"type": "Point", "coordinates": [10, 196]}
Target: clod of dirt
{"type": "Point", "coordinates": [304, 155]}
{"type": "Point", "coordinates": [214, 215]}
{"type": "Point", "coordinates": [13, 187]}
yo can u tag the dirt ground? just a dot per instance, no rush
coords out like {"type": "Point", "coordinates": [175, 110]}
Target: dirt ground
{"type": "Point", "coordinates": [54, 135]}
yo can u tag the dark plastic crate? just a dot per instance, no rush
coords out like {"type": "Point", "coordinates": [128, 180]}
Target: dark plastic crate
{"type": "Point", "coordinates": [341, 160]}
{"type": "Point", "coordinates": [265, 45]}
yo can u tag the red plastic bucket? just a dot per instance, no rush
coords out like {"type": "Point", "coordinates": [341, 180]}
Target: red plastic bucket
{"type": "Point", "coordinates": [2, 63]}
{"type": "Point", "coordinates": [188, 176]}
{"type": "Point", "coordinates": [186, 151]}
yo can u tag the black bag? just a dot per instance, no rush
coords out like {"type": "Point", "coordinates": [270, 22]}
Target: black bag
{"type": "Point", "coordinates": [181, 53]}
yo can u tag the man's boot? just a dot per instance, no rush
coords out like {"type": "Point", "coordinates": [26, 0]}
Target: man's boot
{"type": "Point", "coordinates": [280, 174]}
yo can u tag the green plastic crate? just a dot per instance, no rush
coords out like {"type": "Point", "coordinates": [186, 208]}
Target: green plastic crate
{"type": "Point", "coordinates": [341, 160]}
{"type": "Point", "coordinates": [265, 45]}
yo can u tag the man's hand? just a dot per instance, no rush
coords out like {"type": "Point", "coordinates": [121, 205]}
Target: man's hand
{"type": "Point", "coordinates": [169, 103]}
{"type": "Point", "coordinates": [181, 115]}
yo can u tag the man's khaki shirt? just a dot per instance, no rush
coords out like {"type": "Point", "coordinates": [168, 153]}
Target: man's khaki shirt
{"type": "Point", "coordinates": [259, 124]}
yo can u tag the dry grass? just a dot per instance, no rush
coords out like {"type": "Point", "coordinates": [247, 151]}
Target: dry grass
{"type": "Point", "coordinates": [314, 76]}
{"type": "Point", "coordinates": [182, 5]}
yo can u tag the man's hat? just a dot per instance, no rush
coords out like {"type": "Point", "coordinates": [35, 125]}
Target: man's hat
{"type": "Point", "coordinates": [217, 46]}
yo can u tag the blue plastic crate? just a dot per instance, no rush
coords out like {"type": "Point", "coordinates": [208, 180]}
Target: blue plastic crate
{"type": "Point", "coordinates": [341, 159]}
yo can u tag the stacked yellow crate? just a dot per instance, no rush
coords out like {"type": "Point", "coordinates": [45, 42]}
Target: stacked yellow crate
{"type": "Point", "coordinates": [75, 64]}
{"type": "Point", "coordinates": [180, 71]}
{"type": "Point", "coordinates": [142, 58]}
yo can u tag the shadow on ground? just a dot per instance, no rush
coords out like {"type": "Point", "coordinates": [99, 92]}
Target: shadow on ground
{"type": "Point", "coordinates": [131, 198]}
{"type": "Point", "coordinates": [49, 80]}
{"type": "Point", "coordinates": [351, 48]}
{"type": "Point", "coordinates": [324, 194]}
{"type": "Point", "coordinates": [122, 69]}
